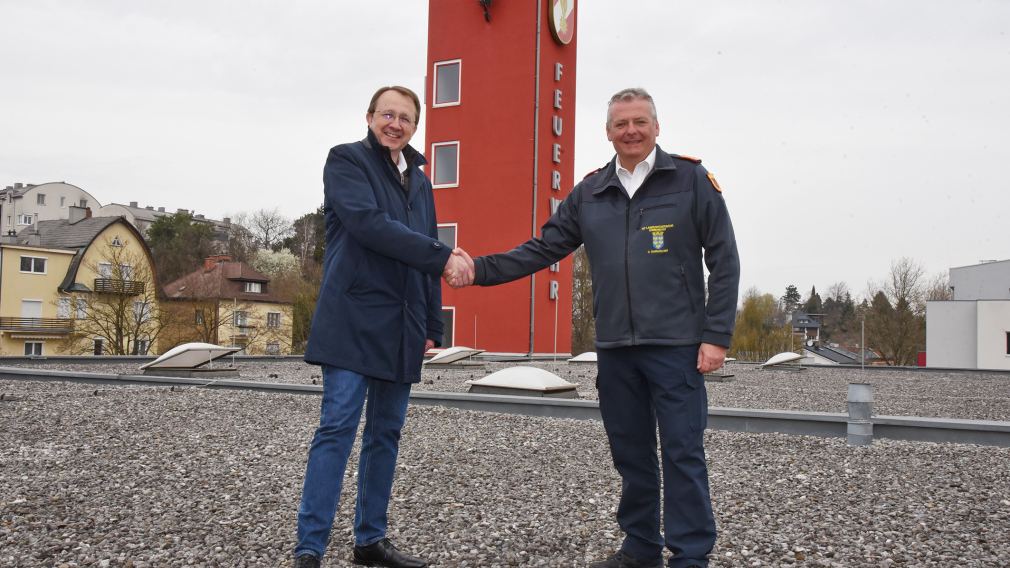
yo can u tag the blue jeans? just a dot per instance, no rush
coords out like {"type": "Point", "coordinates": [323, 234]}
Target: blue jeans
{"type": "Point", "coordinates": [640, 388]}
{"type": "Point", "coordinates": [344, 395]}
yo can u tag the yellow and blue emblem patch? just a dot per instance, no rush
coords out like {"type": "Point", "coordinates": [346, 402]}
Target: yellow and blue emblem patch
{"type": "Point", "coordinates": [658, 238]}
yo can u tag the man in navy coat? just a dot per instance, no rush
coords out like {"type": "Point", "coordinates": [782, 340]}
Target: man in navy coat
{"type": "Point", "coordinates": [379, 310]}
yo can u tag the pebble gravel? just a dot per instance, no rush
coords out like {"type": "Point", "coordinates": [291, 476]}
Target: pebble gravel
{"type": "Point", "coordinates": [151, 476]}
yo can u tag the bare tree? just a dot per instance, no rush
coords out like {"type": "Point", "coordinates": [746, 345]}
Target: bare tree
{"type": "Point", "coordinates": [123, 311]}
{"type": "Point", "coordinates": [938, 288]}
{"type": "Point", "coordinates": [268, 227]}
{"type": "Point", "coordinates": [896, 321]}
{"type": "Point", "coordinates": [583, 324]}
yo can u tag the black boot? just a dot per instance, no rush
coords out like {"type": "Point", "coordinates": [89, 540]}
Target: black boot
{"type": "Point", "coordinates": [622, 560]}
{"type": "Point", "coordinates": [383, 553]}
{"type": "Point", "coordinates": [306, 561]}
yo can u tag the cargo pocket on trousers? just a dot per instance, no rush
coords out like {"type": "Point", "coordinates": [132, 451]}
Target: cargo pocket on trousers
{"type": "Point", "coordinates": [695, 400]}
{"type": "Point", "coordinates": [699, 419]}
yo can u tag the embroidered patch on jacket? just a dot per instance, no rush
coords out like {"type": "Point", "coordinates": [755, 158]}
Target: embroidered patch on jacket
{"type": "Point", "coordinates": [715, 184]}
{"type": "Point", "coordinates": [658, 238]}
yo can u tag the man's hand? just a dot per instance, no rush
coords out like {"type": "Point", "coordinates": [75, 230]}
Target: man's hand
{"type": "Point", "coordinates": [710, 357]}
{"type": "Point", "coordinates": [459, 269]}
{"type": "Point", "coordinates": [429, 344]}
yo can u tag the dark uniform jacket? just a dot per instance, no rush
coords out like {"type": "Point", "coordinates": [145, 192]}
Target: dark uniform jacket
{"type": "Point", "coordinates": [380, 296]}
{"type": "Point", "coordinates": [645, 255]}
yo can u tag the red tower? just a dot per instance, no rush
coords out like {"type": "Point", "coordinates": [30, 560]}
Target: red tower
{"type": "Point", "coordinates": [500, 139]}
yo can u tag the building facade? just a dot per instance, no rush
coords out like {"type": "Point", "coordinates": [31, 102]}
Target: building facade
{"type": "Point", "coordinates": [500, 123]}
{"type": "Point", "coordinates": [22, 205]}
{"type": "Point", "coordinates": [229, 303]}
{"type": "Point", "coordinates": [972, 331]}
{"type": "Point", "coordinates": [78, 286]}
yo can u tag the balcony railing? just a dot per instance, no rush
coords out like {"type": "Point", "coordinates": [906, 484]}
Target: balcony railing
{"type": "Point", "coordinates": [39, 325]}
{"type": "Point", "coordinates": [244, 331]}
{"type": "Point", "coordinates": [117, 286]}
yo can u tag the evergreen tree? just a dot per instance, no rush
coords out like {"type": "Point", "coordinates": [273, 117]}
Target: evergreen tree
{"type": "Point", "coordinates": [791, 299]}
{"type": "Point", "coordinates": [813, 304]}
{"type": "Point", "coordinates": [179, 244]}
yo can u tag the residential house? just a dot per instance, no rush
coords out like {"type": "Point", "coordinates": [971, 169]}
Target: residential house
{"type": "Point", "coordinates": [22, 205]}
{"type": "Point", "coordinates": [229, 303]}
{"type": "Point", "coordinates": [75, 286]}
{"type": "Point", "coordinates": [807, 325]}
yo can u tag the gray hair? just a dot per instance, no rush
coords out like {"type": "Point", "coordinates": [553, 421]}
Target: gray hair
{"type": "Point", "coordinates": [626, 95]}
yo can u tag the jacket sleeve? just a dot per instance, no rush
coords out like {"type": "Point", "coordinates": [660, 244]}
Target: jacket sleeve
{"type": "Point", "coordinates": [558, 238]}
{"type": "Point", "coordinates": [721, 258]}
{"type": "Point", "coordinates": [350, 194]}
{"type": "Point", "coordinates": [435, 327]}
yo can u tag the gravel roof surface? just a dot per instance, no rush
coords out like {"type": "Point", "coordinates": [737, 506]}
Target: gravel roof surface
{"type": "Point", "coordinates": [964, 394]}
{"type": "Point", "coordinates": [146, 476]}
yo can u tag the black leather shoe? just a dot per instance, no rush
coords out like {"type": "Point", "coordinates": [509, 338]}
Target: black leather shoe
{"type": "Point", "coordinates": [383, 553]}
{"type": "Point", "coordinates": [622, 560]}
{"type": "Point", "coordinates": [306, 561]}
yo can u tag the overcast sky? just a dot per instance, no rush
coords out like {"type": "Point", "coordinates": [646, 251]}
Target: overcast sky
{"type": "Point", "coordinates": [844, 134]}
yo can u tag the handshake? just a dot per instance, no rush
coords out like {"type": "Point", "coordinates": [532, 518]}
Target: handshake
{"type": "Point", "coordinates": [459, 270]}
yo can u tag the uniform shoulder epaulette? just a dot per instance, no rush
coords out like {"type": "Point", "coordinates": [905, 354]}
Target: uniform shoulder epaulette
{"type": "Point", "coordinates": [597, 170]}
{"type": "Point", "coordinates": [688, 158]}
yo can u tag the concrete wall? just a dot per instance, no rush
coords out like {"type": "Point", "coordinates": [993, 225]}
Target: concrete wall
{"type": "Point", "coordinates": [993, 325]}
{"type": "Point", "coordinates": [990, 281]}
{"type": "Point", "coordinates": [951, 339]}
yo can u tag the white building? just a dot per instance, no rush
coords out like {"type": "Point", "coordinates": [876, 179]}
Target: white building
{"type": "Point", "coordinates": [972, 331]}
{"type": "Point", "coordinates": [21, 205]}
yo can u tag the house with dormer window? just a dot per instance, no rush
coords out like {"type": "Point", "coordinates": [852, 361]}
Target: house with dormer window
{"type": "Point", "coordinates": [229, 303]}
{"type": "Point", "coordinates": [82, 285]}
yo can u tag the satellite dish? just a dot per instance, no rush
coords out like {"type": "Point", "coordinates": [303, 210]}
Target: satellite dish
{"type": "Point", "coordinates": [782, 358]}
{"type": "Point", "coordinates": [587, 357]}
{"type": "Point", "coordinates": [190, 356]}
{"type": "Point", "coordinates": [454, 354]}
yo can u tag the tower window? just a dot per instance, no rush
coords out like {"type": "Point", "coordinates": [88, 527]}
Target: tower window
{"type": "Point", "coordinates": [445, 164]}
{"type": "Point", "coordinates": [447, 83]}
{"type": "Point", "coordinates": [447, 234]}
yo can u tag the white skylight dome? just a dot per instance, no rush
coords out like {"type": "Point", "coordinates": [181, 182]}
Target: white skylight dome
{"type": "Point", "coordinates": [524, 381]}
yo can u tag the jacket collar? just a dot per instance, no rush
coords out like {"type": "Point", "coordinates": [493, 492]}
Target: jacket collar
{"type": "Point", "coordinates": [607, 177]}
{"type": "Point", "coordinates": [413, 157]}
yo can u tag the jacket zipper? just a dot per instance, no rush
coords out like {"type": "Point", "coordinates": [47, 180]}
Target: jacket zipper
{"type": "Point", "coordinates": [687, 289]}
{"type": "Point", "coordinates": [641, 212]}
{"type": "Point", "coordinates": [627, 266]}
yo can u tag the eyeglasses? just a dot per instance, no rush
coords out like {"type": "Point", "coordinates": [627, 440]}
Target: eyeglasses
{"type": "Point", "coordinates": [390, 116]}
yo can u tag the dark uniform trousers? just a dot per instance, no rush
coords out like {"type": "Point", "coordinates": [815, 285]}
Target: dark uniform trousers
{"type": "Point", "coordinates": [640, 387]}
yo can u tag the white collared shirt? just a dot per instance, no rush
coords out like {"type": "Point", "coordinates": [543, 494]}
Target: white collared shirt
{"type": "Point", "coordinates": [402, 166]}
{"type": "Point", "coordinates": [633, 180]}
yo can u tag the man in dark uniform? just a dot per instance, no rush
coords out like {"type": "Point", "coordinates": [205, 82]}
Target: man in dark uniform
{"type": "Point", "coordinates": [647, 220]}
{"type": "Point", "coordinates": [379, 310]}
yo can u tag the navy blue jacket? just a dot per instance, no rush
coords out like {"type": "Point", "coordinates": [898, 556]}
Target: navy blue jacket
{"type": "Point", "coordinates": [380, 296]}
{"type": "Point", "coordinates": [645, 255]}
